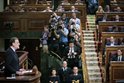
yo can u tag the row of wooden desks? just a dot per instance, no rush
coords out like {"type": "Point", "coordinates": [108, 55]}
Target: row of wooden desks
{"type": "Point", "coordinates": [29, 21]}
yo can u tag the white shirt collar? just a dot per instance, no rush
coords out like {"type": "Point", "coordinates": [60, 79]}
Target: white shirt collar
{"type": "Point", "coordinates": [12, 48]}
{"type": "Point", "coordinates": [64, 68]}
{"type": "Point", "coordinates": [76, 74]}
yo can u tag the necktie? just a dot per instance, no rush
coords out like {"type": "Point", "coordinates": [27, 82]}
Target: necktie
{"type": "Point", "coordinates": [64, 69]}
{"type": "Point", "coordinates": [120, 58]}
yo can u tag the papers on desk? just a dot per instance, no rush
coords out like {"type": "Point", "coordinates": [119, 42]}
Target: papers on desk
{"type": "Point", "coordinates": [10, 77]}
{"type": "Point", "coordinates": [27, 71]}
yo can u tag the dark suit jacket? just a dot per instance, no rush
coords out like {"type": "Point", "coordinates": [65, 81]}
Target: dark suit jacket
{"type": "Point", "coordinates": [109, 43]}
{"type": "Point", "coordinates": [75, 78]}
{"type": "Point", "coordinates": [54, 79]}
{"type": "Point", "coordinates": [64, 74]}
{"type": "Point", "coordinates": [11, 62]}
{"type": "Point", "coordinates": [115, 58]}
{"type": "Point", "coordinates": [76, 49]}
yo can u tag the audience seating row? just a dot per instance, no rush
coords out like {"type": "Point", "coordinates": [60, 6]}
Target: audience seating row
{"type": "Point", "coordinates": [110, 15]}
{"type": "Point", "coordinates": [106, 35]}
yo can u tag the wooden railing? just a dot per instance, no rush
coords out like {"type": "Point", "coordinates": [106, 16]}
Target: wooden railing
{"type": "Point", "coordinates": [84, 65]}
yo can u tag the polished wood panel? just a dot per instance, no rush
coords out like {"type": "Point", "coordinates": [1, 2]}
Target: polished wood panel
{"type": "Point", "coordinates": [28, 21]}
{"type": "Point", "coordinates": [103, 26]}
{"type": "Point", "coordinates": [110, 15]}
{"type": "Point", "coordinates": [116, 72]}
{"type": "Point", "coordinates": [25, 2]}
{"type": "Point", "coordinates": [24, 21]}
{"type": "Point", "coordinates": [29, 8]}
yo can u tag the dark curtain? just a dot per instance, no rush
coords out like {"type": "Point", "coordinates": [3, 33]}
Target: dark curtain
{"type": "Point", "coordinates": [5, 3]}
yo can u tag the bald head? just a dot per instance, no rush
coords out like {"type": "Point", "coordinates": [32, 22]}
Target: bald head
{"type": "Point", "coordinates": [64, 64]}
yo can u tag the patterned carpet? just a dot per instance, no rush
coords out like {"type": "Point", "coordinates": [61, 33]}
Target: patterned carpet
{"type": "Point", "coordinates": [91, 56]}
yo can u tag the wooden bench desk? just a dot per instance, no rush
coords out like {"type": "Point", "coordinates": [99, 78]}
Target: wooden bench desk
{"type": "Point", "coordinates": [106, 35]}
{"type": "Point", "coordinates": [109, 50]}
{"type": "Point", "coordinates": [116, 71]}
{"type": "Point", "coordinates": [103, 26]}
{"type": "Point", "coordinates": [110, 15]}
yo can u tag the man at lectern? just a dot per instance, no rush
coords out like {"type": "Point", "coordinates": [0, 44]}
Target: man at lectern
{"type": "Point", "coordinates": [11, 58]}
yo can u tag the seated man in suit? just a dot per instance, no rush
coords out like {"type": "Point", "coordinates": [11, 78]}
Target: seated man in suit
{"type": "Point", "coordinates": [118, 57]}
{"type": "Point", "coordinates": [76, 77]}
{"type": "Point", "coordinates": [64, 72]}
{"type": "Point", "coordinates": [112, 42]}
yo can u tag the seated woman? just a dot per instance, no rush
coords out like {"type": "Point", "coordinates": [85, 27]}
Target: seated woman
{"type": "Point", "coordinates": [54, 78]}
{"type": "Point", "coordinates": [100, 10]}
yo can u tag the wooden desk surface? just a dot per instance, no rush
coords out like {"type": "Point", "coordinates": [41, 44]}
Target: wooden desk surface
{"type": "Point", "coordinates": [22, 79]}
{"type": "Point", "coordinates": [116, 71]}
